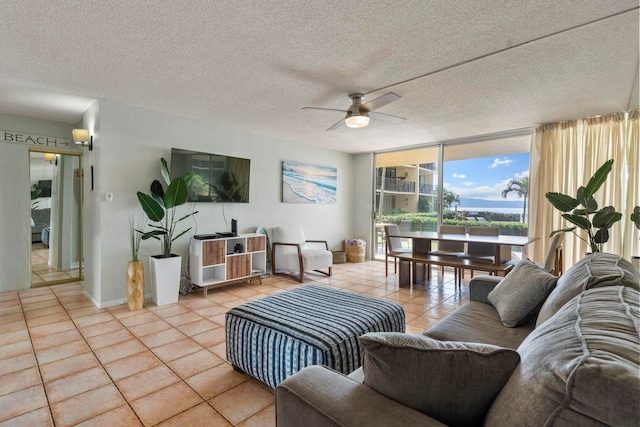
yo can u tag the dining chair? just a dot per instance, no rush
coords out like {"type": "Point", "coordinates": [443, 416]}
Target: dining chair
{"type": "Point", "coordinates": [483, 252]}
{"type": "Point", "coordinates": [553, 260]}
{"type": "Point", "coordinates": [553, 263]}
{"type": "Point", "coordinates": [405, 225]}
{"type": "Point", "coordinates": [395, 246]}
{"type": "Point", "coordinates": [448, 248]}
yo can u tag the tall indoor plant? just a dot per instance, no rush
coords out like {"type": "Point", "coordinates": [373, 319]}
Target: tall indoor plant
{"type": "Point", "coordinates": [583, 212]}
{"type": "Point", "coordinates": [161, 209]}
{"type": "Point", "coordinates": [135, 267]}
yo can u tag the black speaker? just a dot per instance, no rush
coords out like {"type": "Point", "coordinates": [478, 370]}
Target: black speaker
{"type": "Point", "coordinates": [234, 227]}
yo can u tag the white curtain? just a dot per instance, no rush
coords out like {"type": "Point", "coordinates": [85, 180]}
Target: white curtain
{"type": "Point", "coordinates": [564, 156]}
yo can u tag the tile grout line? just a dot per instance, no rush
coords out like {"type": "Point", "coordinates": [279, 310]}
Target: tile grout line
{"type": "Point", "coordinates": [163, 363]}
{"type": "Point", "coordinates": [179, 376]}
{"type": "Point", "coordinates": [372, 282]}
{"type": "Point", "coordinates": [33, 351]}
{"type": "Point", "coordinates": [99, 361]}
{"type": "Point", "coordinates": [206, 401]}
{"type": "Point", "coordinates": [49, 404]}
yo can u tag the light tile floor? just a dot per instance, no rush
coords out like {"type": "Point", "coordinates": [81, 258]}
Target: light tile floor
{"type": "Point", "coordinates": [41, 271]}
{"type": "Point", "coordinates": [65, 362]}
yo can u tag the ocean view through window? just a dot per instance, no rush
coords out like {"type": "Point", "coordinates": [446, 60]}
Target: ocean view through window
{"type": "Point", "coordinates": [481, 183]}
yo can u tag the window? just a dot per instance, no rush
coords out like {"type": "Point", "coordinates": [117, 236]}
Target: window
{"type": "Point", "coordinates": [470, 183]}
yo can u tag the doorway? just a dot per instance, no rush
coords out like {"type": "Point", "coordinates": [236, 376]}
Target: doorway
{"type": "Point", "coordinates": [56, 217]}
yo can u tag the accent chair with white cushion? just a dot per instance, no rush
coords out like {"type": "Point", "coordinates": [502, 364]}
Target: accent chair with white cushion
{"type": "Point", "coordinates": [293, 253]}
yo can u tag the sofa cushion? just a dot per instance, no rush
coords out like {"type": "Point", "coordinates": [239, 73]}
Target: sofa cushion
{"type": "Point", "coordinates": [479, 322]}
{"type": "Point", "coordinates": [520, 292]}
{"type": "Point", "coordinates": [357, 375]}
{"type": "Point", "coordinates": [593, 271]}
{"type": "Point", "coordinates": [453, 382]}
{"type": "Point", "coordinates": [320, 397]}
{"type": "Point", "coordinates": [581, 367]}
{"type": "Point", "coordinates": [41, 217]}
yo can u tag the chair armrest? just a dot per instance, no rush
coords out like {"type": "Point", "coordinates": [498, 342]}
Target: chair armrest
{"type": "Point", "coordinates": [319, 396]}
{"type": "Point", "coordinates": [326, 245]}
{"type": "Point", "coordinates": [274, 245]}
{"type": "Point", "coordinates": [480, 286]}
{"type": "Point", "coordinates": [297, 245]}
{"type": "Point", "coordinates": [276, 258]}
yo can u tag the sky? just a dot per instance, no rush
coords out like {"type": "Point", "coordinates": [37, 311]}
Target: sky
{"type": "Point", "coordinates": [485, 177]}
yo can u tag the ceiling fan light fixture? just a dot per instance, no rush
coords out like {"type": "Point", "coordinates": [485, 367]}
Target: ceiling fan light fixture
{"type": "Point", "coordinates": [357, 121]}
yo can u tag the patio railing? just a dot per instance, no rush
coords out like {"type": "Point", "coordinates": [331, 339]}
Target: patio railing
{"type": "Point", "coordinates": [398, 185]}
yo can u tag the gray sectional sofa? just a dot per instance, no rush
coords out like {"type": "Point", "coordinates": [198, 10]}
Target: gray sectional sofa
{"type": "Point", "coordinates": [41, 219]}
{"type": "Point", "coordinates": [570, 356]}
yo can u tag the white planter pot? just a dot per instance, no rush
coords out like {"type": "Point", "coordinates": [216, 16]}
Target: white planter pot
{"type": "Point", "coordinates": [165, 279]}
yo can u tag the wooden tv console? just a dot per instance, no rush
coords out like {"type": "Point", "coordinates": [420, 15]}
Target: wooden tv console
{"type": "Point", "coordinates": [226, 260]}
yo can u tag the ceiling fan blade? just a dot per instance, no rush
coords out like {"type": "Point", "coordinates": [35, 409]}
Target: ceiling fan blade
{"type": "Point", "coordinates": [337, 125]}
{"type": "Point", "coordinates": [381, 101]}
{"type": "Point", "coordinates": [388, 118]}
{"type": "Point", "coordinates": [325, 109]}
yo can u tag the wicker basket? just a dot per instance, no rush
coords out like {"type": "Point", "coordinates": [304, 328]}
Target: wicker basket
{"type": "Point", "coordinates": [355, 253]}
{"type": "Point", "coordinates": [339, 257]}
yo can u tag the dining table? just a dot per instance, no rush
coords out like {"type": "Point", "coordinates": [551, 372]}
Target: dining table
{"type": "Point", "coordinates": [422, 246]}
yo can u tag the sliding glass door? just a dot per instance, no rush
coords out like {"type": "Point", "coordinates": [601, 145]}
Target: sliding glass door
{"type": "Point", "coordinates": [406, 192]}
{"type": "Point", "coordinates": [479, 183]}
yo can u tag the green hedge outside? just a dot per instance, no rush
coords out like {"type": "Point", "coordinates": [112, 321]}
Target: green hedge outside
{"type": "Point", "coordinates": [429, 222]}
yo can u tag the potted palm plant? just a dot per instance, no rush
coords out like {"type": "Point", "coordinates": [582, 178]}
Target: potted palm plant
{"type": "Point", "coordinates": [582, 211]}
{"type": "Point", "coordinates": [135, 267]}
{"type": "Point", "coordinates": [161, 209]}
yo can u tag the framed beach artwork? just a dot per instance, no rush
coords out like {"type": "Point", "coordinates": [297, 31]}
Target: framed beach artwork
{"type": "Point", "coordinates": [304, 183]}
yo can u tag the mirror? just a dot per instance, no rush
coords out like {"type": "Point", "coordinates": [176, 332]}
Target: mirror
{"type": "Point", "coordinates": [56, 231]}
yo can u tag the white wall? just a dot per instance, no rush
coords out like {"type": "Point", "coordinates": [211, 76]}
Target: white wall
{"type": "Point", "coordinates": [15, 208]}
{"type": "Point", "coordinates": [14, 217]}
{"type": "Point", "coordinates": [91, 214]}
{"type": "Point", "coordinates": [129, 143]}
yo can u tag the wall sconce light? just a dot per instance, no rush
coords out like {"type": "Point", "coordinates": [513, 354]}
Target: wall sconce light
{"type": "Point", "coordinates": [82, 137]}
{"type": "Point", "coordinates": [51, 158]}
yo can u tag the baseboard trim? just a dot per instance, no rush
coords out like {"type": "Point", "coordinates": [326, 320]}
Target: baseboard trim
{"type": "Point", "coordinates": [106, 304]}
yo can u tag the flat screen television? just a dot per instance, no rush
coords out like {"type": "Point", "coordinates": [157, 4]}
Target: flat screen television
{"type": "Point", "coordinates": [217, 178]}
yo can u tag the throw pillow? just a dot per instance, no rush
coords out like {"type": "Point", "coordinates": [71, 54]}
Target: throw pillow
{"type": "Point", "coordinates": [520, 292]}
{"type": "Point", "coordinates": [453, 382]}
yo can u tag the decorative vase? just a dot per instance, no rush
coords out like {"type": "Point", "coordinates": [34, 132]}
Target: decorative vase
{"type": "Point", "coordinates": [135, 285]}
{"type": "Point", "coordinates": [165, 279]}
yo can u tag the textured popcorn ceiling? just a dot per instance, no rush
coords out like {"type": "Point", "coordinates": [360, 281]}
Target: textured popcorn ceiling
{"type": "Point", "coordinates": [254, 64]}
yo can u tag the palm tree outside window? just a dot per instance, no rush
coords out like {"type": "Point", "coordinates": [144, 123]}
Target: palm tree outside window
{"type": "Point", "coordinates": [521, 188]}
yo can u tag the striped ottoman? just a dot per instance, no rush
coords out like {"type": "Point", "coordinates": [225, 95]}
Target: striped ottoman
{"type": "Point", "coordinates": [272, 338]}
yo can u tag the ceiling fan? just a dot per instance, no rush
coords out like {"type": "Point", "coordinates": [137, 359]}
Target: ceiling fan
{"type": "Point", "coordinates": [358, 114]}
